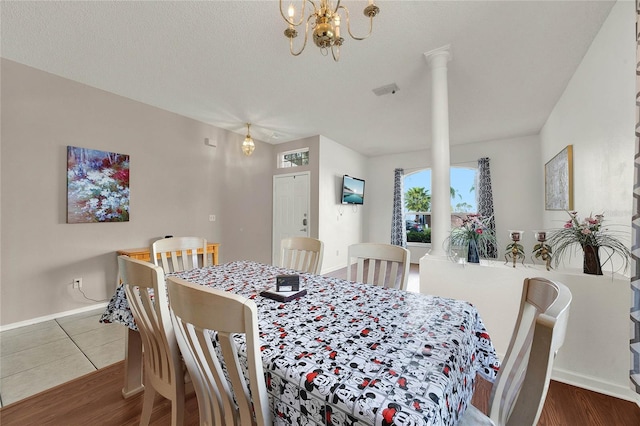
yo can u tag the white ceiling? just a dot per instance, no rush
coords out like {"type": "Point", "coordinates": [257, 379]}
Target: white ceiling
{"type": "Point", "coordinates": [228, 62]}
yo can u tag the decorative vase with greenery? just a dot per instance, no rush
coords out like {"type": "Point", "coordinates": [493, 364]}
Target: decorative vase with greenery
{"type": "Point", "coordinates": [590, 236]}
{"type": "Point", "coordinates": [473, 234]}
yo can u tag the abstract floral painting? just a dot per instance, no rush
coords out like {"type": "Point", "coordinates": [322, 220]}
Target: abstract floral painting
{"type": "Point", "coordinates": [97, 186]}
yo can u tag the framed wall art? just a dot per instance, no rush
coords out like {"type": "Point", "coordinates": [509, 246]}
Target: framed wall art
{"type": "Point", "coordinates": [97, 186]}
{"type": "Point", "coordinates": [558, 181]}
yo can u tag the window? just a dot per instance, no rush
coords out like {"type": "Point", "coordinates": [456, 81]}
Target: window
{"type": "Point", "coordinates": [296, 158]}
{"type": "Point", "coordinates": [417, 198]}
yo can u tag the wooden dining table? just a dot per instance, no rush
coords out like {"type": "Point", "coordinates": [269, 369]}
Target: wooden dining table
{"type": "Point", "coordinates": [349, 353]}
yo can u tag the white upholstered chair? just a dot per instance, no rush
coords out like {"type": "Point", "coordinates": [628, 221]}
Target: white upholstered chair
{"type": "Point", "coordinates": [303, 254]}
{"type": "Point", "coordinates": [518, 395]}
{"type": "Point", "coordinates": [177, 254]}
{"type": "Point", "coordinates": [197, 309]}
{"type": "Point", "coordinates": [163, 368]}
{"type": "Point", "coordinates": [386, 265]}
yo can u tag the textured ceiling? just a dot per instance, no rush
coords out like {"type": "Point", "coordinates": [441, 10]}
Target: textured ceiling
{"type": "Point", "coordinates": [228, 62]}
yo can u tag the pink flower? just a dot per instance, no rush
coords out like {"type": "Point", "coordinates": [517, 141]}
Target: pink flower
{"type": "Point", "coordinates": [586, 231]}
{"type": "Point", "coordinates": [568, 225]}
{"type": "Point", "coordinates": [478, 231]}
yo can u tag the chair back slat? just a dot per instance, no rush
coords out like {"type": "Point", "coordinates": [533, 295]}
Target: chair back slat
{"type": "Point", "coordinates": [177, 254]}
{"type": "Point", "coordinates": [383, 265]}
{"type": "Point", "coordinates": [518, 395]}
{"type": "Point", "coordinates": [199, 311]}
{"type": "Point", "coordinates": [146, 293]}
{"type": "Point", "coordinates": [302, 254]}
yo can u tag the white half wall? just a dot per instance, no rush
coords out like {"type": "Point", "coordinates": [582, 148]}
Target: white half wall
{"type": "Point", "coordinates": [595, 354]}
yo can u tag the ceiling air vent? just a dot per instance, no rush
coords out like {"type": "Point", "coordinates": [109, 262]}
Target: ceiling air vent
{"type": "Point", "coordinates": [385, 90]}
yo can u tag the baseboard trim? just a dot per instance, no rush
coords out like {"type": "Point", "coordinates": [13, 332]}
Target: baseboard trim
{"type": "Point", "coordinates": [596, 385]}
{"type": "Point", "coordinates": [52, 316]}
{"type": "Point", "coordinates": [332, 269]}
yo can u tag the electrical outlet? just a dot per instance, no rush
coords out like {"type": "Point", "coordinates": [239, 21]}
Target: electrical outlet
{"type": "Point", "coordinates": [77, 283]}
{"type": "Point", "coordinates": [212, 218]}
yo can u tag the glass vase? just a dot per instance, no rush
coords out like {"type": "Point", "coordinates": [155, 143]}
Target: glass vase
{"type": "Point", "coordinates": [591, 261]}
{"type": "Point", "coordinates": [472, 253]}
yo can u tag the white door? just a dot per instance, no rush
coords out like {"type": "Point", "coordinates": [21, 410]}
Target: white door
{"type": "Point", "coordinates": [290, 209]}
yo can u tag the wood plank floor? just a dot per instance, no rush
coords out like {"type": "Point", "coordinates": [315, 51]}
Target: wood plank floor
{"type": "Point", "coordinates": [95, 399]}
{"type": "Point", "coordinates": [568, 405]}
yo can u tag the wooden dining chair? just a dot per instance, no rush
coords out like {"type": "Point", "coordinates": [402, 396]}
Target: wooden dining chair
{"type": "Point", "coordinates": [303, 254]}
{"type": "Point", "coordinates": [385, 265]}
{"type": "Point", "coordinates": [177, 254]}
{"type": "Point", "coordinates": [162, 364]}
{"type": "Point", "coordinates": [196, 310]}
{"type": "Point", "coordinates": [518, 394]}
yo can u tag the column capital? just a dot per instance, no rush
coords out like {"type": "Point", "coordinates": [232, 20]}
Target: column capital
{"type": "Point", "coordinates": [432, 56]}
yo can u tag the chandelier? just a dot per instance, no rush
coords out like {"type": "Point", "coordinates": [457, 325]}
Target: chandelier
{"type": "Point", "coordinates": [325, 24]}
{"type": "Point", "coordinates": [248, 146]}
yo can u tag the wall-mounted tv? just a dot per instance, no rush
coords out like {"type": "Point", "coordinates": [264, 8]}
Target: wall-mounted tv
{"type": "Point", "coordinates": [352, 190]}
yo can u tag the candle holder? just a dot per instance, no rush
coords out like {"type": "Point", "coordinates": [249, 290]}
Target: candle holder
{"type": "Point", "coordinates": [515, 250]}
{"type": "Point", "coordinates": [542, 250]}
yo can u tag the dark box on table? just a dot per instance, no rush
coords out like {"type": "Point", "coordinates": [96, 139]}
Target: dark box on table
{"type": "Point", "coordinates": [287, 283]}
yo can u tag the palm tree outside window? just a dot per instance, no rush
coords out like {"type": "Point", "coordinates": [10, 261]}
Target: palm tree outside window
{"type": "Point", "coordinates": [418, 200]}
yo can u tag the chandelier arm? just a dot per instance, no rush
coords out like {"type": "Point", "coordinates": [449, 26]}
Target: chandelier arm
{"type": "Point", "coordinates": [304, 44]}
{"type": "Point", "coordinates": [337, 7]}
{"type": "Point", "coordinates": [349, 25]}
{"type": "Point", "coordinates": [290, 21]}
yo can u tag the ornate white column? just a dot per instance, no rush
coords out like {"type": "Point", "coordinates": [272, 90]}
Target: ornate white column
{"type": "Point", "coordinates": [440, 177]}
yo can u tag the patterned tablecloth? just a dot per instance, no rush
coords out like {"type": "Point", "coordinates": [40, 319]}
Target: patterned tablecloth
{"type": "Point", "coordinates": [355, 354]}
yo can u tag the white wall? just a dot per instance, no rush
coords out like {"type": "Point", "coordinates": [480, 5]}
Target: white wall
{"type": "Point", "coordinates": [176, 182]}
{"type": "Point", "coordinates": [596, 114]}
{"type": "Point", "coordinates": [340, 225]}
{"type": "Point", "coordinates": [516, 178]}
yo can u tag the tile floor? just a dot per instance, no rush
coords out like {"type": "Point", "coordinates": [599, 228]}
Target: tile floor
{"type": "Point", "coordinates": [40, 356]}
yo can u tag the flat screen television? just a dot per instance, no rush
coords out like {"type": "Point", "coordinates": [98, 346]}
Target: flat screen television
{"type": "Point", "coordinates": [352, 190]}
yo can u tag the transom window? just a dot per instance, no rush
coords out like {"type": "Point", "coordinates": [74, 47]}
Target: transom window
{"type": "Point", "coordinates": [295, 158]}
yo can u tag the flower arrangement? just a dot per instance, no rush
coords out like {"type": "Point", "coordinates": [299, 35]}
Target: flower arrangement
{"type": "Point", "coordinates": [474, 233]}
{"type": "Point", "coordinates": [588, 234]}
